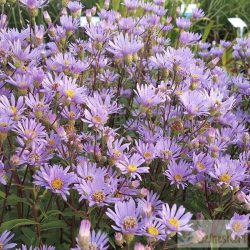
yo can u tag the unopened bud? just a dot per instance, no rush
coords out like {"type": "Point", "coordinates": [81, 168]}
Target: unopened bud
{"type": "Point", "coordinates": [139, 246]}
{"type": "Point", "coordinates": [200, 216]}
{"type": "Point", "coordinates": [198, 236]}
{"type": "Point", "coordinates": [84, 234]}
{"type": "Point", "coordinates": [119, 239]}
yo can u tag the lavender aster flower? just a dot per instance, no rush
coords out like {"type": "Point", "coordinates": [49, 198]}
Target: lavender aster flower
{"type": "Point", "coordinates": [55, 178]}
{"type": "Point", "coordinates": [132, 166]}
{"type": "Point", "coordinates": [176, 220]}
{"type": "Point", "coordinates": [124, 46]}
{"type": "Point", "coordinates": [179, 174]}
{"type": "Point", "coordinates": [5, 237]}
{"type": "Point", "coordinates": [238, 225]}
{"type": "Point", "coordinates": [126, 217]}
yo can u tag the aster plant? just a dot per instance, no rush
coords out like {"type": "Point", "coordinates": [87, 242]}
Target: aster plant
{"type": "Point", "coordinates": [112, 128]}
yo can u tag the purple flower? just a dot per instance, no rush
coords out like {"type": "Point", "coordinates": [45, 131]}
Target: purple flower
{"type": "Point", "coordinates": [176, 220]}
{"type": "Point", "coordinates": [229, 172]}
{"type": "Point", "coordinates": [55, 178]}
{"type": "Point", "coordinates": [71, 92]}
{"type": "Point", "coordinates": [183, 23]}
{"type": "Point", "coordinates": [146, 150]}
{"type": "Point", "coordinates": [198, 14]}
{"type": "Point", "coordinates": [10, 108]}
{"type": "Point", "coordinates": [42, 247]}
{"type": "Point", "coordinates": [179, 174]}
{"type": "Point", "coordinates": [126, 217]}
{"type": "Point", "coordinates": [131, 166]}
{"type": "Point", "coordinates": [29, 132]}
{"type": "Point", "coordinates": [195, 103]}
{"type": "Point", "coordinates": [124, 46]}
{"type": "Point", "coordinates": [34, 4]}
{"type": "Point", "coordinates": [166, 149]}
{"type": "Point", "coordinates": [153, 228]}
{"type": "Point", "coordinates": [150, 205]}
{"type": "Point", "coordinates": [97, 240]}
{"type": "Point", "coordinates": [98, 192]}
{"type": "Point", "coordinates": [5, 237]}
{"type": "Point", "coordinates": [238, 225]}
{"type": "Point", "coordinates": [148, 96]}
{"type": "Point", "coordinates": [116, 149]}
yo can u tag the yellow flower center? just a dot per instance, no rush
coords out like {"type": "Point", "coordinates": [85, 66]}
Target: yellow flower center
{"type": "Point", "coordinates": [1, 246]}
{"type": "Point", "coordinates": [117, 153]}
{"type": "Point", "coordinates": [57, 183]}
{"type": "Point", "coordinates": [70, 93]}
{"type": "Point", "coordinates": [13, 109]}
{"type": "Point", "coordinates": [200, 165]}
{"type": "Point", "coordinates": [97, 119]}
{"type": "Point", "coordinates": [147, 154]}
{"type": "Point", "coordinates": [237, 226]}
{"type": "Point", "coordinates": [98, 196]}
{"type": "Point", "coordinates": [129, 222]}
{"type": "Point", "coordinates": [178, 177]}
{"type": "Point", "coordinates": [88, 178]}
{"type": "Point", "coordinates": [167, 153]}
{"type": "Point", "coordinates": [3, 124]}
{"type": "Point", "coordinates": [225, 178]}
{"type": "Point", "coordinates": [153, 230]}
{"type": "Point", "coordinates": [132, 168]}
{"type": "Point", "coordinates": [174, 222]}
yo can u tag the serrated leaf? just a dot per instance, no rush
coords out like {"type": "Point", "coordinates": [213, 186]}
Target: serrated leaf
{"type": "Point", "coordinates": [52, 225]}
{"type": "Point", "coordinates": [8, 225]}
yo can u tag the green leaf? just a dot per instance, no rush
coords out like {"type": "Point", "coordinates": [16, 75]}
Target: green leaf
{"type": "Point", "coordinates": [8, 225]}
{"type": "Point", "coordinates": [29, 236]}
{"type": "Point", "coordinates": [207, 31]}
{"type": "Point", "coordinates": [52, 225]}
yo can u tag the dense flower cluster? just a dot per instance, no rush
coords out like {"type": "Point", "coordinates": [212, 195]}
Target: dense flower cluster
{"type": "Point", "coordinates": [118, 126]}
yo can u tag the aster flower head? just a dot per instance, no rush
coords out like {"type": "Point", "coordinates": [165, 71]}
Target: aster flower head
{"type": "Point", "coordinates": [176, 220]}
{"type": "Point", "coordinates": [126, 217]}
{"type": "Point", "coordinates": [89, 240]}
{"type": "Point", "coordinates": [148, 96]}
{"type": "Point", "coordinates": [29, 131]}
{"type": "Point", "coordinates": [153, 229]}
{"type": "Point", "coordinates": [183, 23]}
{"type": "Point", "coordinates": [5, 238]}
{"type": "Point", "coordinates": [146, 150]}
{"type": "Point", "coordinates": [42, 247]}
{"type": "Point", "coordinates": [195, 103]}
{"type": "Point", "coordinates": [98, 192]}
{"type": "Point", "coordinates": [131, 165]}
{"type": "Point", "coordinates": [229, 172]}
{"type": "Point", "coordinates": [166, 149]}
{"type": "Point", "coordinates": [125, 47]}
{"type": "Point", "coordinates": [116, 149]}
{"type": "Point", "coordinates": [238, 225]}
{"type": "Point", "coordinates": [70, 91]}
{"type": "Point", "coordinates": [179, 174]}
{"type": "Point", "coordinates": [55, 178]}
{"type": "Point", "coordinates": [11, 108]}
{"type": "Point", "coordinates": [150, 205]}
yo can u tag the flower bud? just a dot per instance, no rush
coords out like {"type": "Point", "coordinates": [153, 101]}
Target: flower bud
{"type": "Point", "coordinates": [139, 246]}
{"type": "Point", "coordinates": [106, 4]}
{"type": "Point", "coordinates": [144, 192]}
{"type": "Point", "coordinates": [119, 239]}
{"type": "Point", "coordinates": [240, 196]}
{"type": "Point", "coordinates": [198, 236]}
{"type": "Point", "coordinates": [47, 17]}
{"type": "Point", "coordinates": [135, 184]}
{"type": "Point", "coordinates": [84, 234]}
{"type": "Point", "coordinates": [246, 138]}
{"type": "Point", "coordinates": [200, 216]}
{"type": "Point", "coordinates": [147, 210]}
